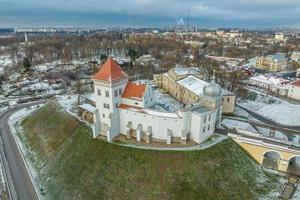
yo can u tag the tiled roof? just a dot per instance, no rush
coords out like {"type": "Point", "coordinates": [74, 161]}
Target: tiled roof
{"type": "Point", "coordinates": [134, 91]}
{"type": "Point", "coordinates": [110, 71]}
{"type": "Point", "coordinates": [296, 83]}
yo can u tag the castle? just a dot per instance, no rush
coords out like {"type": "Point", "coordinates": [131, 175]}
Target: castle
{"type": "Point", "coordinates": [123, 107]}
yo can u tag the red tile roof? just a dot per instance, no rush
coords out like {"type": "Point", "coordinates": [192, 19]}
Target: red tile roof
{"type": "Point", "coordinates": [125, 106]}
{"type": "Point", "coordinates": [110, 70]}
{"type": "Point", "coordinates": [296, 83]}
{"type": "Point", "coordinates": [134, 91]}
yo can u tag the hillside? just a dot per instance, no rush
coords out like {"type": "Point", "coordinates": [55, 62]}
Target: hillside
{"type": "Point", "coordinates": [72, 165]}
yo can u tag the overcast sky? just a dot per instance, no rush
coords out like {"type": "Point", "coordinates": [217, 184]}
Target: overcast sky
{"type": "Point", "coordinates": [150, 13]}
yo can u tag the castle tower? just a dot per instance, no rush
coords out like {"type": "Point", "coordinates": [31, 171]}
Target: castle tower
{"type": "Point", "coordinates": [109, 84]}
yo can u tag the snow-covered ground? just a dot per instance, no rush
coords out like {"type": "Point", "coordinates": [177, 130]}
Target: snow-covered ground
{"type": "Point", "coordinates": [297, 194]}
{"type": "Point", "coordinates": [5, 61]}
{"type": "Point", "coordinates": [251, 62]}
{"type": "Point", "coordinates": [231, 124]}
{"type": "Point", "coordinates": [274, 109]}
{"type": "Point", "coordinates": [18, 116]}
{"type": "Point", "coordinates": [68, 102]}
{"type": "Point", "coordinates": [3, 183]}
{"type": "Point", "coordinates": [14, 123]}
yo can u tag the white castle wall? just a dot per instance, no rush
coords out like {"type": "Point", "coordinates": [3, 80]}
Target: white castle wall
{"type": "Point", "coordinates": [159, 124]}
{"type": "Point", "coordinates": [201, 130]}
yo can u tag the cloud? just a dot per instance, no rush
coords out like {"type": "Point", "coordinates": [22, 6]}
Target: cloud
{"type": "Point", "coordinates": [277, 12]}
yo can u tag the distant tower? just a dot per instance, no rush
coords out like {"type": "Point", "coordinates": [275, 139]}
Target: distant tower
{"type": "Point", "coordinates": [188, 20]}
{"type": "Point", "coordinates": [25, 36]}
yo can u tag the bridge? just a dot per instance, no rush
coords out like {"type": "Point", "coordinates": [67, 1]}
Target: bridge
{"type": "Point", "coordinates": [271, 153]}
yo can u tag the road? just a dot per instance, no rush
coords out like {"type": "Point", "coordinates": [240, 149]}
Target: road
{"type": "Point", "coordinates": [19, 181]}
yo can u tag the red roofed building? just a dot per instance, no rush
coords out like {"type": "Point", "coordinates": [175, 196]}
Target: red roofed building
{"type": "Point", "coordinates": [110, 71]}
{"type": "Point", "coordinates": [294, 90]}
{"type": "Point", "coordinates": [125, 108]}
{"type": "Point", "coordinates": [136, 94]}
{"type": "Point", "coordinates": [112, 89]}
{"type": "Point", "coordinates": [134, 91]}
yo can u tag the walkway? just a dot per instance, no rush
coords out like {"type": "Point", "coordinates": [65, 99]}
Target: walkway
{"type": "Point", "coordinates": [289, 188]}
{"type": "Point", "coordinates": [216, 138]}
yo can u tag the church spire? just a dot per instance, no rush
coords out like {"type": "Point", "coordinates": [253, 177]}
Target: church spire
{"type": "Point", "coordinates": [214, 76]}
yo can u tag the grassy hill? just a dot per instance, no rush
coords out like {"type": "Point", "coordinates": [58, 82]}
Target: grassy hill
{"type": "Point", "coordinates": [72, 165]}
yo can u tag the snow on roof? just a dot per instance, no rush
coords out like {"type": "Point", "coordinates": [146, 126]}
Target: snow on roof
{"type": "Point", "coordinates": [277, 56]}
{"type": "Point", "coordinates": [148, 111]}
{"type": "Point", "coordinates": [186, 70]}
{"type": "Point", "coordinates": [87, 107]}
{"type": "Point", "coordinates": [202, 110]}
{"type": "Point", "coordinates": [277, 82]}
{"type": "Point", "coordinates": [91, 96]}
{"type": "Point", "coordinates": [193, 84]}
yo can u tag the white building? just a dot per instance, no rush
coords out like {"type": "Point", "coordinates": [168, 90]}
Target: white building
{"type": "Point", "coordinates": [294, 90]}
{"type": "Point", "coordinates": [273, 84]}
{"type": "Point", "coordinates": [122, 107]}
{"type": "Point", "coordinates": [279, 37]}
{"type": "Point", "coordinates": [296, 56]}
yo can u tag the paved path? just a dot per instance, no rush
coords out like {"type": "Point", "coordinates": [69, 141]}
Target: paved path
{"type": "Point", "coordinates": [19, 181]}
{"type": "Point", "coordinates": [204, 145]}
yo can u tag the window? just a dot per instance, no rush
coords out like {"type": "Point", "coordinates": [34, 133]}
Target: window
{"type": "Point", "coordinates": [204, 129]}
{"type": "Point", "coordinates": [208, 128]}
{"type": "Point", "coordinates": [120, 91]}
{"type": "Point", "coordinates": [228, 99]}
{"type": "Point", "coordinates": [205, 119]}
{"type": "Point", "coordinates": [106, 93]}
{"type": "Point", "coordinates": [103, 115]}
{"type": "Point", "coordinates": [136, 103]}
{"type": "Point", "coordinates": [116, 93]}
{"type": "Point", "coordinates": [209, 118]}
{"type": "Point", "coordinates": [105, 105]}
{"type": "Point", "coordinates": [117, 105]}
{"type": "Point", "coordinates": [99, 92]}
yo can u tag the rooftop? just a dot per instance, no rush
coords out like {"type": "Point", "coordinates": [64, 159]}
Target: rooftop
{"type": "Point", "coordinates": [186, 70]}
{"type": "Point", "coordinates": [193, 84]}
{"type": "Point", "coordinates": [110, 71]}
{"type": "Point", "coordinates": [277, 56]}
{"type": "Point", "coordinates": [134, 91]}
{"type": "Point", "coordinates": [150, 112]}
{"type": "Point", "coordinates": [88, 107]}
{"type": "Point", "coordinates": [296, 83]}
{"type": "Point", "coordinates": [278, 82]}
{"type": "Point", "coordinates": [202, 110]}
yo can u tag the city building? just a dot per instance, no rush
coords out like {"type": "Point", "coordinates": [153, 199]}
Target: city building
{"type": "Point", "coordinates": [272, 84]}
{"type": "Point", "coordinates": [279, 37]}
{"type": "Point", "coordinates": [294, 90]}
{"type": "Point", "coordinates": [296, 56]}
{"type": "Point", "coordinates": [298, 73]}
{"type": "Point", "coordinates": [186, 85]}
{"type": "Point", "coordinates": [123, 108]}
{"type": "Point", "coordinates": [275, 62]}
